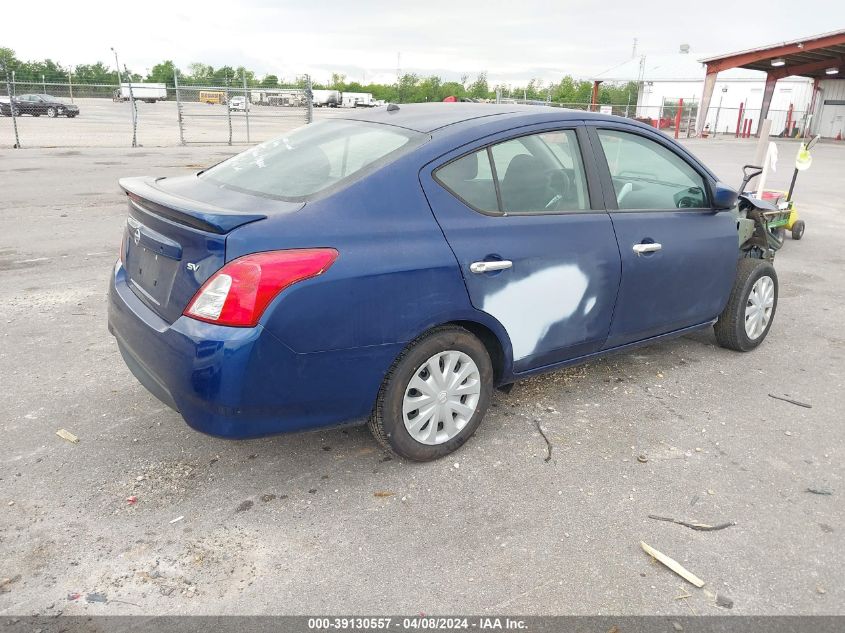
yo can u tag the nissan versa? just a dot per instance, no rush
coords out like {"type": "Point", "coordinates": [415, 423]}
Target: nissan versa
{"type": "Point", "coordinates": [396, 265]}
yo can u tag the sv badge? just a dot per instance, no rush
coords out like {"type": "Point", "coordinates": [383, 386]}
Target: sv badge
{"type": "Point", "coordinates": [192, 266]}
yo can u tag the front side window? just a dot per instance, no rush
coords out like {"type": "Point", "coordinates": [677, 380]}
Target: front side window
{"type": "Point", "coordinates": [648, 176]}
{"type": "Point", "coordinates": [313, 158]}
{"type": "Point", "coordinates": [539, 173]}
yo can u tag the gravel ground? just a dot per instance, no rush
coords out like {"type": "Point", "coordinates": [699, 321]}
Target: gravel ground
{"type": "Point", "coordinates": [326, 522]}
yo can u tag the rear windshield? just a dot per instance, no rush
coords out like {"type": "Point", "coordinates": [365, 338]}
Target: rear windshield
{"type": "Point", "coordinates": [313, 158]}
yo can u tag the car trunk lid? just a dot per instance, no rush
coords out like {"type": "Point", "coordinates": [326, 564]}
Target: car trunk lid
{"type": "Point", "coordinates": [175, 236]}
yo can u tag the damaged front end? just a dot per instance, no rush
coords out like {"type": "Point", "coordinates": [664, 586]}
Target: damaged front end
{"type": "Point", "coordinates": [756, 240]}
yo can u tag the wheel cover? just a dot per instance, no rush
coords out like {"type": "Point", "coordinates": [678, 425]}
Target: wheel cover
{"type": "Point", "coordinates": [758, 308]}
{"type": "Point", "coordinates": [441, 397]}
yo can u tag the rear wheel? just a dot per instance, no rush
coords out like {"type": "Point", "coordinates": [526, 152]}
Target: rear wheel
{"type": "Point", "coordinates": [435, 395]}
{"type": "Point", "coordinates": [747, 318]}
{"type": "Point", "coordinates": [798, 230]}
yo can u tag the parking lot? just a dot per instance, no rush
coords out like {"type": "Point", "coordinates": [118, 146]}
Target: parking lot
{"type": "Point", "coordinates": [327, 522]}
{"type": "Point", "coordinates": [104, 123]}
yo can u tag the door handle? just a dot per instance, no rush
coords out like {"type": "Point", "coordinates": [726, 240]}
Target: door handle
{"type": "Point", "coordinates": [487, 267]}
{"type": "Point", "coordinates": [639, 249]}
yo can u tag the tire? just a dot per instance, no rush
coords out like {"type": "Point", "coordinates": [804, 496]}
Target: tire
{"type": "Point", "coordinates": [464, 353]}
{"type": "Point", "coordinates": [51, 112]}
{"type": "Point", "coordinates": [798, 229]}
{"type": "Point", "coordinates": [731, 329]}
{"type": "Point", "coordinates": [16, 111]}
{"type": "Point", "coordinates": [70, 116]}
{"type": "Point", "coordinates": [36, 115]}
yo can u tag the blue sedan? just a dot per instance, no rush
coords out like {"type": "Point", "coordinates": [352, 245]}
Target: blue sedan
{"type": "Point", "coordinates": [395, 266]}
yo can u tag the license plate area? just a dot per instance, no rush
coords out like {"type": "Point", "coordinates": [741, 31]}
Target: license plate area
{"type": "Point", "coordinates": [152, 261]}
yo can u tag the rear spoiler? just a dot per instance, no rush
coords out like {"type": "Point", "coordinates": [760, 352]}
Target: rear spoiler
{"type": "Point", "coordinates": [145, 195]}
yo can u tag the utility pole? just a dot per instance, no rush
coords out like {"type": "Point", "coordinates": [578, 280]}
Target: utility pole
{"type": "Point", "coordinates": [70, 84]}
{"type": "Point", "coordinates": [634, 50]}
{"type": "Point", "coordinates": [44, 84]}
{"type": "Point", "coordinates": [131, 98]}
{"type": "Point", "coordinates": [398, 67]}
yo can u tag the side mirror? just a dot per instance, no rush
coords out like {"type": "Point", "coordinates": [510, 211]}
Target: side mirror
{"type": "Point", "coordinates": [724, 197]}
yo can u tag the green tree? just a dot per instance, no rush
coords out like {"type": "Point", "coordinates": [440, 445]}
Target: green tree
{"type": "Point", "coordinates": [479, 88]}
{"type": "Point", "coordinates": [270, 81]}
{"type": "Point", "coordinates": [162, 73]}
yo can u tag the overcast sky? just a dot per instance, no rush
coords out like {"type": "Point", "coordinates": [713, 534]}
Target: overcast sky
{"type": "Point", "coordinates": [513, 41]}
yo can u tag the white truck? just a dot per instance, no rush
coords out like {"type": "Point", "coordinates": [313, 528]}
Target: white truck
{"type": "Point", "coordinates": [325, 98]}
{"type": "Point", "coordinates": [357, 100]}
{"type": "Point", "coordinates": [141, 92]}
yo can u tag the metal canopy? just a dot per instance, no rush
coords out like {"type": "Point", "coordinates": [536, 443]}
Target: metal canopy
{"type": "Point", "coordinates": [805, 57]}
{"type": "Point", "coordinates": [816, 56]}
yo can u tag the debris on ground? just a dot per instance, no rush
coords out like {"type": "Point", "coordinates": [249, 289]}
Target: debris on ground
{"type": "Point", "coordinates": [701, 527]}
{"type": "Point", "coordinates": [67, 435]}
{"type": "Point", "coordinates": [96, 597]}
{"type": "Point", "coordinates": [642, 459]}
{"type": "Point", "coordinates": [791, 401]}
{"type": "Point", "coordinates": [548, 457]}
{"type": "Point", "coordinates": [724, 601]}
{"type": "Point", "coordinates": [672, 564]}
{"type": "Point", "coordinates": [267, 497]}
{"type": "Point", "coordinates": [132, 500]}
{"type": "Point", "coordinates": [677, 625]}
{"type": "Point", "coordinates": [177, 519]}
{"type": "Point", "coordinates": [820, 491]}
{"type": "Point", "coordinates": [244, 506]}
{"type": "Point", "coordinates": [383, 493]}
{"type": "Point", "coordinates": [5, 582]}
{"type": "Point", "coordinates": [74, 596]}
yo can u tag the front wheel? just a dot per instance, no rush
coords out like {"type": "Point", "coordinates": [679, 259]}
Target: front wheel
{"type": "Point", "coordinates": [798, 230]}
{"type": "Point", "coordinates": [748, 316]}
{"type": "Point", "coordinates": [51, 112]}
{"type": "Point", "coordinates": [435, 395]}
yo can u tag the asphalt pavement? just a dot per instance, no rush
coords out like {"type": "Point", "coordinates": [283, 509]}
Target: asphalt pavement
{"type": "Point", "coordinates": [327, 522]}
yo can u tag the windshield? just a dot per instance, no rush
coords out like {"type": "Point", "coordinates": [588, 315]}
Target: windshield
{"type": "Point", "coordinates": [313, 158]}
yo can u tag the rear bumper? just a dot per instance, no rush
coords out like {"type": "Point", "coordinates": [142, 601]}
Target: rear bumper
{"type": "Point", "coordinates": [242, 382]}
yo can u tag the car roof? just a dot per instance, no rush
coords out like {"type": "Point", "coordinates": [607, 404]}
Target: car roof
{"type": "Point", "coordinates": [429, 117]}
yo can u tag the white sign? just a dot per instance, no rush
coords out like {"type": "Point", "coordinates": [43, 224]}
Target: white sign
{"type": "Point", "coordinates": [606, 109]}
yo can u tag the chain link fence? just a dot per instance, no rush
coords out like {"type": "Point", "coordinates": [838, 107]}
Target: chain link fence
{"type": "Point", "coordinates": [156, 115]}
{"type": "Point", "coordinates": [682, 116]}
{"type": "Point", "coordinates": [50, 114]}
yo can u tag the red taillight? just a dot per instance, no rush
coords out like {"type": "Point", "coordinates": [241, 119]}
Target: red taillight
{"type": "Point", "coordinates": [238, 293]}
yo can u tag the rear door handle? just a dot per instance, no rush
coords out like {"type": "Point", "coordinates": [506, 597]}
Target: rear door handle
{"type": "Point", "coordinates": [486, 267]}
{"type": "Point", "coordinates": [639, 249]}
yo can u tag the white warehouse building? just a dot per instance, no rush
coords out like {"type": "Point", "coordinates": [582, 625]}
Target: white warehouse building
{"type": "Point", "coordinates": [796, 85]}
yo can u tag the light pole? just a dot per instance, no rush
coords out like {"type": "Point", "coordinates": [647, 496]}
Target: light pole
{"type": "Point", "coordinates": [116, 65]}
{"type": "Point", "coordinates": [131, 97]}
{"type": "Point", "coordinates": [718, 111]}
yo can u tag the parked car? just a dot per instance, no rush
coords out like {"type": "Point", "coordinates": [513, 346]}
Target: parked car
{"type": "Point", "coordinates": [239, 104]}
{"type": "Point", "coordinates": [395, 266]}
{"type": "Point", "coordinates": [36, 105]}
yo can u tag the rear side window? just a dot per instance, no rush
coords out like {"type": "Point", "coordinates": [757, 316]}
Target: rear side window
{"type": "Point", "coordinates": [538, 173]}
{"type": "Point", "coordinates": [471, 179]}
{"type": "Point", "coordinates": [648, 176]}
{"type": "Point", "coordinates": [313, 158]}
